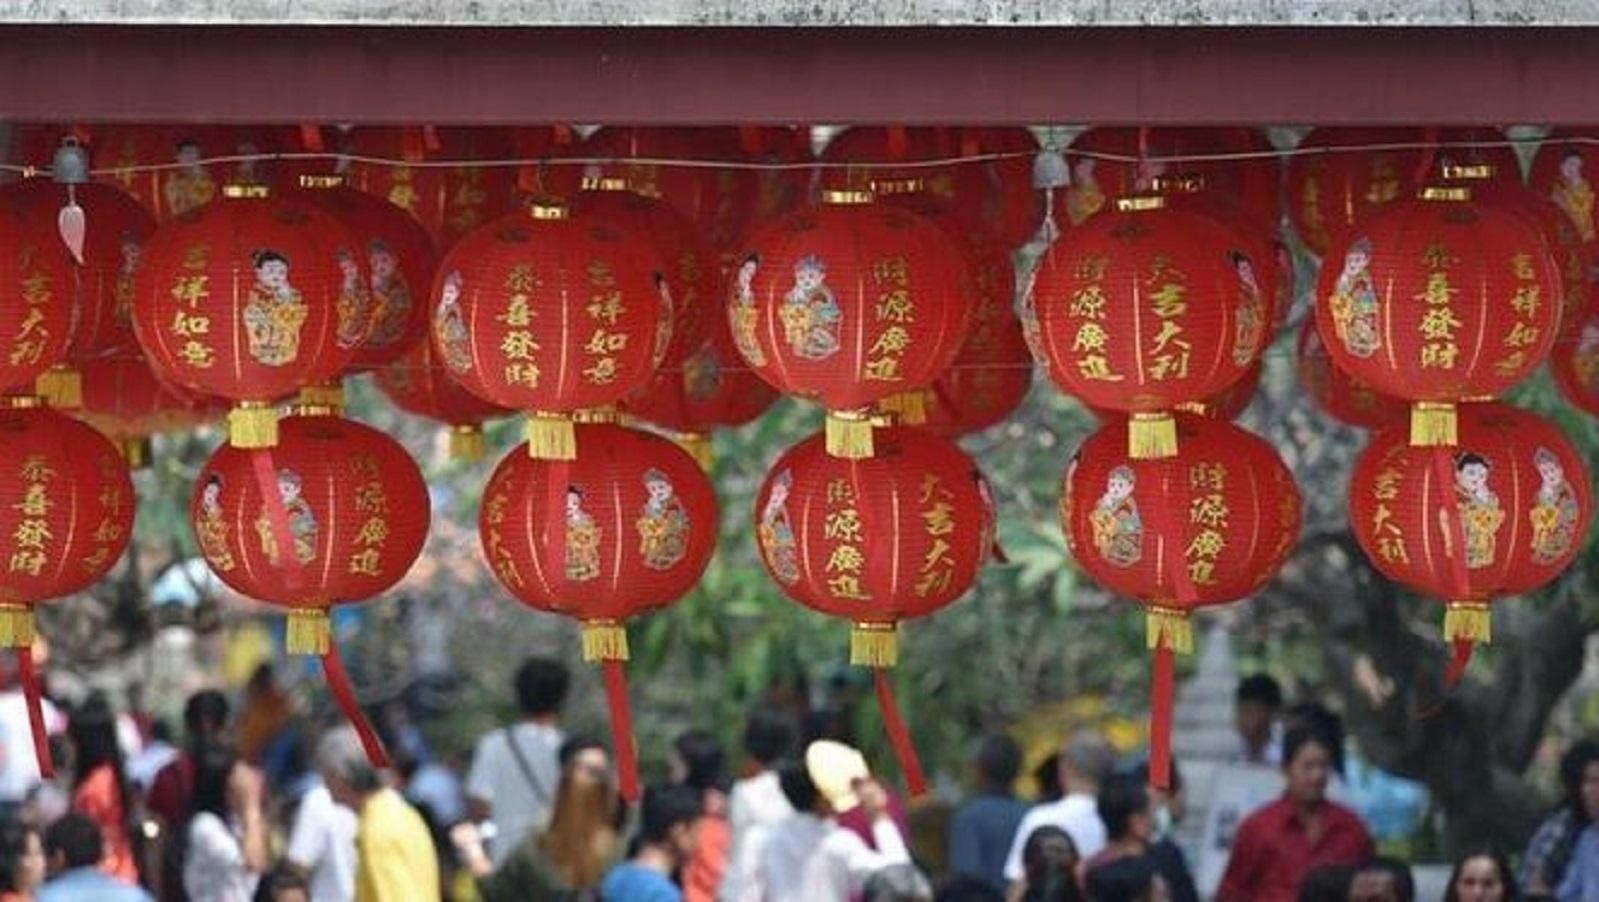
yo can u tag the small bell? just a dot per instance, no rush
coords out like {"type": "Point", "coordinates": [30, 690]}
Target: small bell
{"type": "Point", "coordinates": [71, 168]}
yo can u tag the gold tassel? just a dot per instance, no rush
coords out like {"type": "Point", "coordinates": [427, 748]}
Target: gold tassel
{"type": "Point", "coordinates": [467, 443]}
{"type": "Point", "coordinates": [252, 424]}
{"type": "Point", "coordinates": [329, 395]}
{"type": "Point", "coordinates": [849, 434]}
{"type": "Point", "coordinates": [604, 640]}
{"type": "Point", "coordinates": [874, 644]}
{"type": "Point", "coordinates": [16, 626]}
{"type": "Point", "coordinates": [136, 452]}
{"type": "Point", "coordinates": [1468, 620]}
{"type": "Point", "coordinates": [551, 436]}
{"type": "Point", "coordinates": [1151, 436]}
{"type": "Point", "coordinates": [1433, 425]}
{"type": "Point", "coordinates": [309, 632]}
{"type": "Point", "coordinates": [909, 407]}
{"type": "Point", "coordinates": [698, 445]}
{"type": "Point", "coordinates": [61, 387]}
{"type": "Point", "coordinates": [1168, 627]}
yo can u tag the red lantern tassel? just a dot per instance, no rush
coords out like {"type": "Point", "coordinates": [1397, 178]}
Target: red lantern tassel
{"type": "Point", "coordinates": [339, 684]}
{"type": "Point", "coordinates": [622, 729]}
{"type": "Point", "coordinates": [898, 736]}
{"type": "Point", "coordinates": [31, 692]}
{"type": "Point", "coordinates": [1161, 690]}
{"type": "Point", "coordinates": [1458, 662]}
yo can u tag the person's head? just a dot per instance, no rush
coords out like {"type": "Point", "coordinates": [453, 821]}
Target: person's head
{"type": "Point", "coordinates": [1131, 878]}
{"type": "Point", "coordinates": [1049, 860]}
{"type": "Point", "coordinates": [1308, 765]}
{"type": "Point", "coordinates": [1255, 707]}
{"type": "Point", "coordinates": [698, 761]}
{"type": "Point", "coordinates": [349, 775]}
{"type": "Point", "coordinates": [898, 883]}
{"type": "Point", "coordinates": [1047, 776]}
{"type": "Point", "coordinates": [998, 761]}
{"type": "Point", "coordinates": [1383, 880]}
{"type": "Point", "coordinates": [21, 857]}
{"type": "Point", "coordinates": [282, 884]}
{"type": "Point", "coordinates": [1086, 762]}
{"type": "Point", "coordinates": [71, 842]}
{"type": "Point", "coordinates": [799, 789]}
{"type": "Point", "coordinates": [967, 889]}
{"type": "Point", "coordinates": [1571, 165]}
{"type": "Point", "coordinates": [1471, 471]}
{"type": "Point", "coordinates": [541, 685]}
{"type": "Point", "coordinates": [213, 769]}
{"type": "Point", "coordinates": [1481, 875]}
{"type": "Point", "coordinates": [1125, 808]}
{"type": "Point", "coordinates": [1579, 774]}
{"type": "Point", "coordinates": [768, 736]}
{"type": "Point", "coordinates": [1171, 803]}
{"type": "Point", "coordinates": [1328, 883]}
{"type": "Point", "coordinates": [380, 259]}
{"type": "Point", "coordinates": [263, 680]}
{"type": "Point", "coordinates": [582, 833]}
{"type": "Point", "coordinates": [93, 731]}
{"type": "Point", "coordinates": [271, 269]}
{"type": "Point", "coordinates": [666, 820]}
{"type": "Point", "coordinates": [1321, 720]}
{"type": "Point", "coordinates": [205, 714]}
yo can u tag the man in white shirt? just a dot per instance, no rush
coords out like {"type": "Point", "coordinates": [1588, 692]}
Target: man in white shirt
{"type": "Point", "coordinates": [516, 768]}
{"type": "Point", "coordinates": [1086, 763]}
{"type": "Point", "coordinates": [757, 803]}
{"type": "Point", "coordinates": [808, 857]}
{"type": "Point", "coordinates": [322, 845]}
{"type": "Point", "coordinates": [1257, 717]}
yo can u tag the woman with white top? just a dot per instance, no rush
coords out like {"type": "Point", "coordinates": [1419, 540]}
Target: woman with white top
{"type": "Point", "coordinates": [226, 849]}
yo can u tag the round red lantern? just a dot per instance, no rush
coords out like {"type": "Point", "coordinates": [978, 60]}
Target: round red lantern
{"type": "Point", "coordinates": [250, 299]}
{"type": "Point", "coordinates": [1440, 300]}
{"type": "Point", "coordinates": [1562, 171]}
{"type": "Point", "coordinates": [1501, 514]}
{"type": "Point", "coordinates": [1145, 308]}
{"type": "Point", "coordinates": [990, 377]}
{"type": "Point", "coordinates": [1208, 527]}
{"type": "Point", "coordinates": [627, 526]}
{"type": "Point", "coordinates": [552, 313]}
{"type": "Point", "coordinates": [1574, 361]}
{"type": "Point", "coordinates": [1345, 397]}
{"type": "Point", "coordinates": [123, 399]}
{"type": "Point", "coordinates": [420, 384]}
{"type": "Point", "coordinates": [1333, 193]}
{"type": "Point", "coordinates": [900, 535]}
{"type": "Point", "coordinates": [449, 201]}
{"type": "Point", "coordinates": [848, 304]}
{"type": "Point", "coordinates": [709, 390]}
{"type": "Point", "coordinates": [41, 284]}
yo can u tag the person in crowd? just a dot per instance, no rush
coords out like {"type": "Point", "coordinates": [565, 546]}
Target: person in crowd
{"type": "Point", "coordinates": [205, 717]}
{"type": "Point", "coordinates": [983, 826]}
{"type": "Point", "coordinates": [1050, 868]}
{"type": "Point", "coordinates": [395, 861]}
{"type": "Point", "coordinates": [267, 712]}
{"type": "Point", "coordinates": [19, 767]}
{"type": "Point", "coordinates": [572, 854]}
{"type": "Point", "coordinates": [665, 844]}
{"type": "Point", "coordinates": [1481, 875]}
{"type": "Point", "coordinates": [1128, 879]}
{"type": "Point", "coordinates": [1277, 845]}
{"type": "Point", "coordinates": [1327, 883]}
{"type": "Point", "coordinates": [898, 883]}
{"type": "Point", "coordinates": [809, 856]}
{"type": "Point", "coordinates": [1046, 780]}
{"type": "Point", "coordinates": [1128, 811]}
{"type": "Point", "coordinates": [1171, 806]}
{"type": "Point", "coordinates": [1549, 854]}
{"type": "Point", "coordinates": [21, 861]}
{"type": "Point", "coordinates": [1086, 762]}
{"type": "Point", "coordinates": [321, 847]}
{"type": "Point", "coordinates": [965, 889]}
{"type": "Point", "coordinates": [100, 785]}
{"type": "Point", "coordinates": [157, 753]}
{"type": "Point", "coordinates": [1256, 706]}
{"type": "Point", "coordinates": [757, 801]}
{"type": "Point", "coordinates": [284, 883]}
{"type": "Point", "coordinates": [511, 783]}
{"type": "Point", "coordinates": [1318, 718]}
{"type": "Point", "coordinates": [225, 849]}
{"type": "Point", "coordinates": [1383, 880]}
{"type": "Point", "coordinates": [75, 858]}
{"type": "Point", "coordinates": [699, 763]}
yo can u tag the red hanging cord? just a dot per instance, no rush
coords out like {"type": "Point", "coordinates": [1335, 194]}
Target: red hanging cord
{"type": "Point", "coordinates": [311, 137]}
{"type": "Point", "coordinates": [1161, 689]}
{"type": "Point", "coordinates": [898, 736]}
{"type": "Point", "coordinates": [339, 684]}
{"type": "Point", "coordinates": [32, 692]}
{"type": "Point", "coordinates": [622, 729]}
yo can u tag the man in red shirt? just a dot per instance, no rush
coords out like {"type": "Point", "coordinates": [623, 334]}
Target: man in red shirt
{"type": "Point", "coordinates": [1277, 845]}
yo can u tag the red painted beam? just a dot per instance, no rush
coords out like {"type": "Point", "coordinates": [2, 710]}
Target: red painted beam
{"type": "Point", "coordinates": [717, 75]}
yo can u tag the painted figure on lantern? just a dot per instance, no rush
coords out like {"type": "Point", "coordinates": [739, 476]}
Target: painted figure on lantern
{"type": "Point", "coordinates": [132, 253]}
{"type": "Point", "coordinates": [1083, 197]}
{"type": "Point", "coordinates": [1573, 194]}
{"type": "Point", "coordinates": [1554, 513]}
{"type": "Point", "coordinates": [1585, 359]}
{"type": "Point", "coordinates": [702, 373]}
{"type": "Point", "coordinates": [1251, 322]}
{"type": "Point", "coordinates": [450, 325]}
{"type": "Point", "coordinates": [354, 311]}
{"type": "Point", "coordinates": [663, 524]}
{"type": "Point", "coordinates": [663, 325]}
{"type": "Point", "coordinates": [274, 312]}
{"type": "Point", "coordinates": [582, 539]}
{"type": "Point", "coordinates": [303, 527]}
{"type": "Point", "coordinates": [391, 296]}
{"type": "Point", "coordinates": [811, 315]}
{"type": "Point", "coordinates": [745, 316]}
{"type": "Point", "coordinates": [1480, 513]}
{"type": "Point", "coordinates": [189, 186]}
{"type": "Point", "coordinates": [1118, 527]}
{"type": "Point", "coordinates": [1354, 303]}
{"type": "Point", "coordinates": [777, 531]}
{"type": "Point", "coordinates": [211, 531]}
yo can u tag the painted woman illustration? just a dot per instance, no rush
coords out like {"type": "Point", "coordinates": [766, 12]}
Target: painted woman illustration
{"type": "Point", "coordinates": [1573, 194]}
{"type": "Point", "coordinates": [662, 524]}
{"type": "Point", "coordinates": [776, 532]}
{"type": "Point", "coordinates": [189, 185]}
{"type": "Point", "coordinates": [811, 315]}
{"type": "Point", "coordinates": [303, 527]}
{"type": "Point", "coordinates": [391, 295]}
{"type": "Point", "coordinates": [354, 306]}
{"type": "Point", "coordinates": [449, 325]}
{"type": "Point", "coordinates": [703, 373]}
{"type": "Point", "coordinates": [1555, 510]}
{"type": "Point", "coordinates": [1354, 303]}
{"type": "Point", "coordinates": [745, 318]}
{"type": "Point", "coordinates": [1480, 513]}
{"type": "Point", "coordinates": [1250, 326]}
{"type": "Point", "coordinates": [1083, 196]}
{"type": "Point", "coordinates": [582, 539]}
{"type": "Point", "coordinates": [1118, 527]}
{"type": "Point", "coordinates": [211, 530]}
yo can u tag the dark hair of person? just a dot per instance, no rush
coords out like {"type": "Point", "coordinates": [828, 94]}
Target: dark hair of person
{"type": "Point", "coordinates": [665, 807]}
{"type": "Point", "coordinates": [93, 731]}
{"type": "Point", "coordinates": [577, 744]}
{"type": "Point", "coordinates": [13, 845]}
{"type": "Point", "coordinates": [1301, 736]}
{"type": "Point", "coordinates": [213, 766]}
{"type": "Point", "coordinates": [1573, 765]}
{"type": "Point", "coordinates": [1328, 883]}
{"type": "Point", "coordinates": [999, 760]}
{"type": "Point", "coordinates": [1323, 720]}
{"type": "Point", "coordinates": [768, 736]}
{"type": "Point", "coordinates": [1120, 800]}
{"type": "Point", "coordinates": [281, 879]}
{"type": "Point", "coordinates": [541, 685]}
{"type": "Point", "coordinates": [797, 787]}
{"type": "Point", "coordinates": [205, 712]}
{"type": "Point", "coordinates": [1507, 877]}
{"type": "Point", "coordinates": [967, 889]}
{"type": "Point", "coordinates": [1140, 773]}
{"type": "Point", "coordinates": [77, 839]}
{"type": "Point", "coordinates": [1127, 879]}
{"type": "Point", "coordinates": [1261, 689]}
{"type": "Point", "coordinates": [1404, 883]}
{"type": "Point", "coordinates": [1047, 776]}
{"type": "Point", "coordinates": [703, 760]}
{"type": "Point", "coordinates": [898, 883]}
{"type": "Point", "coordinates": [1049, 859]}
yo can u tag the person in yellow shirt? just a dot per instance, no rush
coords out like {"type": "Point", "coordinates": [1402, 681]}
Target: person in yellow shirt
{"type": "Point", "coordinates": [395, 860]}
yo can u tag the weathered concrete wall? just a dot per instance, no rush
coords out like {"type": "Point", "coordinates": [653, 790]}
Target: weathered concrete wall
{"type": "Point", "coordinates": [809, 12]}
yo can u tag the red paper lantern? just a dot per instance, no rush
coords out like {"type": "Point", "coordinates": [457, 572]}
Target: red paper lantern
{"type": "Point", "coordinates": [250, 299]}
{"type": "Point", "coordinates": [551, 313]}
{"type": "Point", "coordinates": [1438, 301]}
{"type": "Point", "coordinates": [1333, 194]}
{"type": "Point", "coordinates": [1574, 362]}
{"type": "Point", "coordinates": [900, 535]}
{"type": "Point", "coordinates": [627, 526]}
{"type": "Point", "coordinates": [449, 201]}
{"type": "Point", "coordinates": [990, 377]}
{"type": "Point", "coordinates": [420, 384]}
{"type": "Point", "coordinates": [1098, 181]}
{"type": "Point", "coordinates": [40, 284]}
{"type": "Point", "coordinates": [710, 390]}
{"type": "Point", "coordinates": [848, 304]}
{"type": "Point", "coordinates": [1145, 309]}
{"type": "Point", "coordinates": [123, 399]}
{"type": "Point", "coordinates": [1563, 170]}
{"type": "Point", "coordinates": [1345, 397]}
{"type": "Point", "coordinates": [1208, 527]}
{"type": "Point", "coordinates": [1501, 514]}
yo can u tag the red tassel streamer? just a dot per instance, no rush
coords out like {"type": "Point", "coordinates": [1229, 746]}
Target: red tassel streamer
{"type": "Point", "coordinates": [339, 684]}
{"type": "Point", "coordinates": [622, 730]}
{"type": "Point", "coordinates": [266, 476]}
{"type": "Point", "coordinates": [898, 736]}
{"type": "Point", "coordinates": [311, 137]}
{"type": "Point", "coordinates": [1458, 662]}
{"type": "Point", "coordinates": [1161, 689]}
{"type": "Point", "coordinates": [31, 691]}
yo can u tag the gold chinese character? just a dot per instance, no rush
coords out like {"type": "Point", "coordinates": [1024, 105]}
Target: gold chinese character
{"type": "Point", "coordinates": [1088, 302]}
{"type": "Point", "coordinates": [365, 562]}
{"type": "Point", "coordinates": [603, 372]}
{"type": "Point", "coordinates": [190, 324]}
{"type": "Point", "coordinates": [518, 345]}
{"type": "Point", "coordinates": [197, 354]}
{"type": "Point", "coordinates": [894, 340]}
{"type": "Point", "coordinates": [1439, 323]}
{"type": "Point", "coordinates": [1440, 355]}
{"type": "Point", "coordinates": [522, 374]}
{"type": "Point", "coordinates": [885, 369]}
{"type": "Point", "coordinates": [32, 533]}
{"type": "Point", "coordinates": [1095, 366]}
{"type": "Point", "coordinates": [847, 585]}
{"type": "Point", "coordinates": [1091, 268]}
{"type": "Point", "coordinates": [891, 270]}
{"type": "Point", "coordinates": [1090, 337]}
{"type": "Point", "coordinates": [30, 562]}
{"type": "Point", "coordinates": [842, 525]}
{"type": "Point", "coordinates": [373, 531]}
{"type": "Point", "coordinates": [895, 307]}
{"type": "Point", "coordinates": [845, 559]}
